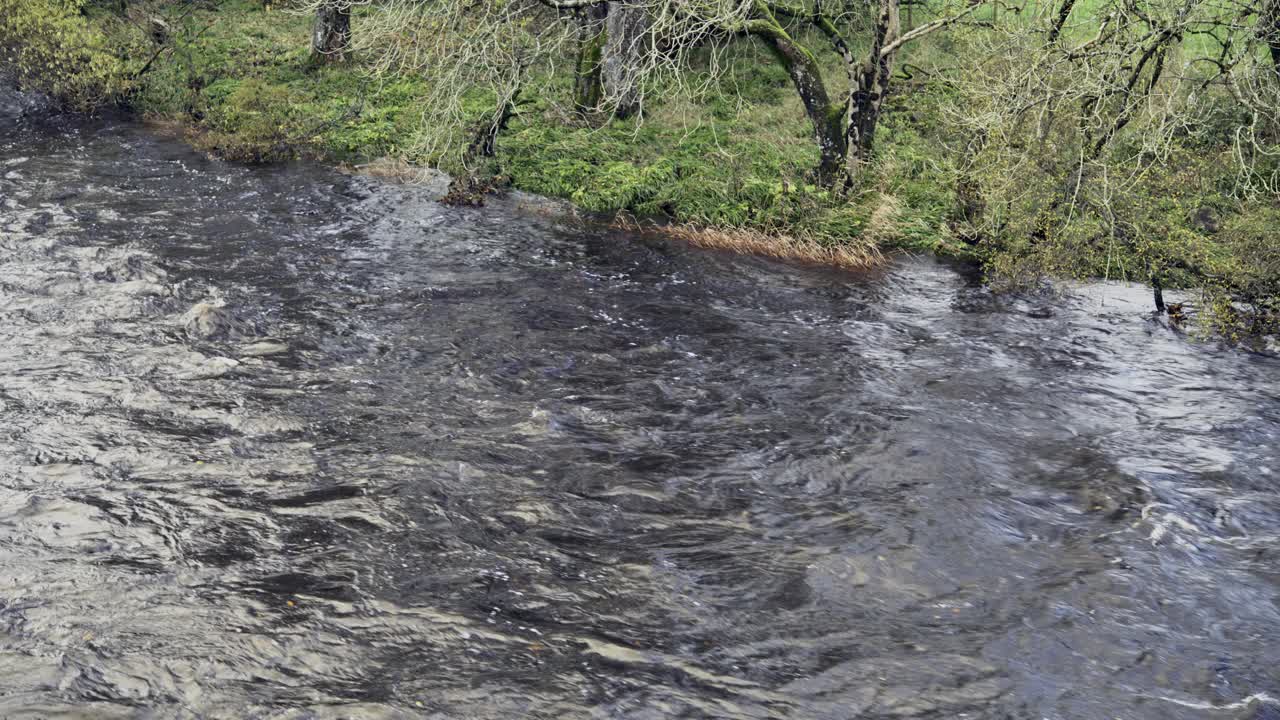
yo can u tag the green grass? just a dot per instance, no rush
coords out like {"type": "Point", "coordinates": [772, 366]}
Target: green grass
{"type": "Point", "coordinates": [243, 74]}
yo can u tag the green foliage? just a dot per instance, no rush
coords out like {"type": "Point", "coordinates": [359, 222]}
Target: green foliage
{"type": "Point", "coordinates": [1242, 298]}
{"type": "Point", "coordinates": [650, 169]}
{"type": "Point", "coordinates": [1070, 220]}
{"type": "Point", "coordinates": [1250, 240]}
{"type": "Point", "coordinates": [242, 76]}
{"type": "Point", "coordinates": [52, 46]}
{"type": "Point", "coordinates": [255, 120]}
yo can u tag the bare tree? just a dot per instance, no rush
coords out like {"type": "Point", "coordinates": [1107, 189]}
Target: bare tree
{"type": "Point", "coordinates": [1078, 134]}
{"type": "Point", "coordinates": [621, 48]}
{"type": "Point", "coordinates": [844, 129]}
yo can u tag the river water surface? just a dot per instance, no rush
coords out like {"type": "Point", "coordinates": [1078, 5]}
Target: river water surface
{"type": "Point", "coordinates": [408, 461]}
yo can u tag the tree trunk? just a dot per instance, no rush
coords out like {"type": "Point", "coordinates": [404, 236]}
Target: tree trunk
{"type": "Point", "coordinates": [625, 29]}
{"type": "Point", "coordinates": [331, 37]}
{"type": "Point", "coordinates": [588, 87]}
{"type": "Point", "coordinates": [867, 98]}
{"type": "Point", "coordinates": [806, 75]}
{"type": "Point", "coordinates": [485, 143]}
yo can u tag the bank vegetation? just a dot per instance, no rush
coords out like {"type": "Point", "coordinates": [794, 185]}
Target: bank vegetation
{"type": "Point", "coordinates": [1134, 140]}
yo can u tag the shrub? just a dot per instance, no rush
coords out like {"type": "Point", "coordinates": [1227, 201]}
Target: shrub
{"type": "Point", "coordinates": [54, 48]}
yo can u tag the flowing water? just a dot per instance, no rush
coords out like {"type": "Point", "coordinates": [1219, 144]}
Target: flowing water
{"type": "Point", "coordinates": [408, 461]}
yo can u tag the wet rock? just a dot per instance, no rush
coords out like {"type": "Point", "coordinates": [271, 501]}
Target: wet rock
{"type": "Point", "coordinates": [210, 368]}
{"type": "Point", "coordinates": [16, 105]}
{"type": "Point", "coordinates": [209, 321]}
{"type": "Point", "coordinates": [468, 191]}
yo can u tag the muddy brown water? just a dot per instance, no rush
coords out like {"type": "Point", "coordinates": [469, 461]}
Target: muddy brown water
{"type": "Point", "coordinates": [427, 462]}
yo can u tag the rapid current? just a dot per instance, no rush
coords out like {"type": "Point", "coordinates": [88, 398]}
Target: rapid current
{"type": "Point", "coordinates": [287, 443]}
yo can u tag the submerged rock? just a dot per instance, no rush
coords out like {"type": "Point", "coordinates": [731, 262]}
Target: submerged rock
{"type": "Point", "coordinates": [128, 269]}
{"type": "Point", "coordinates": [209, 321]}
{"type": "Point", "coordinates": [261, 349]}
{"type": "Point", "coordinates": [209, 368]}
{"type": "Point", "coordinates": [17, 105]}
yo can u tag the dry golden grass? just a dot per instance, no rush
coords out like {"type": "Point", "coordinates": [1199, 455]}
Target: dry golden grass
{"type": "Point", "coordinates": [883, 224]}
{"type": "Point", "coordinates": [861, 254]}
{"type": "Point", "coordinates": [394, 169]}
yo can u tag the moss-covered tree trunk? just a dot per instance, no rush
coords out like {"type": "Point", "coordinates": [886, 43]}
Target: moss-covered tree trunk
{"type": "Point", "coordinates": [624, 52]}
{"type": "Point", "coordinates": [331, 35]}
{"type": "Point", "coordinates": [808, 82]}
{"type": "Point", "coordinates": [588, 82]}
{"type": "Point", "coordinates": [806, 75]}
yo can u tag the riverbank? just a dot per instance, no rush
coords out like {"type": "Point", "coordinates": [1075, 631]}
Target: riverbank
{"type": "Point", "coordinates": [239, 79]}
{"type": "Point", "coordinates": [244, 85]}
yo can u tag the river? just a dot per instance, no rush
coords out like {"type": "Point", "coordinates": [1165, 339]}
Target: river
{"type": "Point", "coordinates": [411, 461]}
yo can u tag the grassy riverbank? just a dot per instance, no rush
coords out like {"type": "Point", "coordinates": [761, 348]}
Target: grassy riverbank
{"type": "Point", "coordinates": [243, 81]}
{"type": "Point", "coordinates": [238, 75]}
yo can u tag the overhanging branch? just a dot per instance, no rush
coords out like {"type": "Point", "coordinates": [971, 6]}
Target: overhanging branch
{"type": "Point", "coordinates": [892, 47]}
